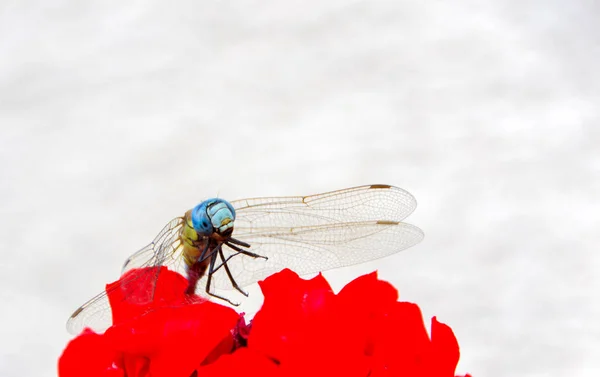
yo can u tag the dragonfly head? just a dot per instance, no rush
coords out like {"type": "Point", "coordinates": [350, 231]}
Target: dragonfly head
{"type": "Point", "coordinates": [213, 216]}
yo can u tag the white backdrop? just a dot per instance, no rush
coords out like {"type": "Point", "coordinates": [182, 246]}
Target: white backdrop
{"type": "Point", "coordinates": [115, 118]}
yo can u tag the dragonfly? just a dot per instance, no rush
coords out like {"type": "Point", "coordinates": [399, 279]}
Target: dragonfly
{"type": "Point", "coordinates": [229, 245]}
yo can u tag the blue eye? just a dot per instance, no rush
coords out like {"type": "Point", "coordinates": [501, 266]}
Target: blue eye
{"type": "Point", "coordinates": [200, 220]}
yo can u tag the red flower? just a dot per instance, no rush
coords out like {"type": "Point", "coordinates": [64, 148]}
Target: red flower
{"type": "Point", "coordinates": [303, 329]}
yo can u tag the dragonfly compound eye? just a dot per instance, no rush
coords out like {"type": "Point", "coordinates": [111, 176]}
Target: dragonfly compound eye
{"type": "Point", "coordinates": [201, 220]}
{"type": "Point", "coordinates": [221, 215]}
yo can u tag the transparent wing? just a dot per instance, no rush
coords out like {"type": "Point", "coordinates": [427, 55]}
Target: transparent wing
{"type": "Point", "coordinates": [159, 249]}
{"type": "Point", "coordinates": [94, 314]}
{"type": "Point", "coordinates": [363, 203]}
{"type": "Point", "coordinates": [137, 288]}
{"type": "Point", "coordinates": [315, 248]}
{"type": "Point", "coordinates": [319, 232]}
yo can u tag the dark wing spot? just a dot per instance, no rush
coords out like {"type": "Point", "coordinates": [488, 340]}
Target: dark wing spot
{"type": "Point", "coordinates": [380, 186]}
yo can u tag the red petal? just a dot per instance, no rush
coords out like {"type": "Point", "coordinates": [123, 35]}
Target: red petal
{"type": "Point", "coordinates": [136, 366]}
{"type": "Point", "coordinates": [399, 341]}
{"type": "Point", "coordinates": [243, 362]}
{"type": "Point", "coordinates": [176, 340]}
{"type": "Point", "coordinates": [134, 295]}
{"type": "Point", "coordinates": [366, 299]}
{"type": "Point", "coordinates": [225, 347]}
{"type": "Point", "coordinates": [89, 354]}
{"type": "Point", "coordinates": [288, 302]}
{"type": "Point", "coordinates": [303, 328]}
{"type": "Point", "coordinates": [373, 294]}
{"type": "Point", "coordinates": [287, 288]}
{"type": "Point", "coordinates": [444, 348]}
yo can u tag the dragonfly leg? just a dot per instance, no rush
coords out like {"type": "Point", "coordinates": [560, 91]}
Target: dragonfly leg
{"type": "Point", "coordinates": [203, 255]}
{"type": "Point", "coordinates": [225, 261]}
{"type": "Point", "coordinates": [231, 279]}
{"type": "Point", "coordinates": [238, 242]}
{"type": "Point", "coordinates": [211, 270]}
{"type": "Point", "coordinates": [245, 252]}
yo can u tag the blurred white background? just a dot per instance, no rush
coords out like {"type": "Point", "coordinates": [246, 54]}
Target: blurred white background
{"type": "Point", "coordinates": [117, 117]}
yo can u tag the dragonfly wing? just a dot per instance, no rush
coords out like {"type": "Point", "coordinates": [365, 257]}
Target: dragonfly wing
{"type": "Point", "coordinates": [312, 249]}
{"type": "Point", "coordinates": [363, 203]}
{"type": "Point", "coordinates": [159, 250]}
{"type": "Point", "coordinates": [164, 250]}
{"type": "Point", "coordinates": [94, 314]}
{"type": "Point", "coordinates": [136, 287]}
